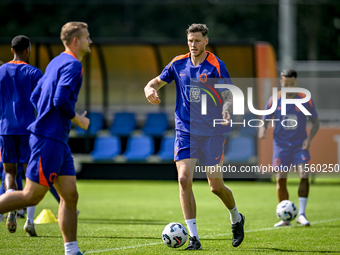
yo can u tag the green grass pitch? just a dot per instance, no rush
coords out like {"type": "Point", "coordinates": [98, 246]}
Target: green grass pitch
{"type": "Point", "coordinates": [127, 217]}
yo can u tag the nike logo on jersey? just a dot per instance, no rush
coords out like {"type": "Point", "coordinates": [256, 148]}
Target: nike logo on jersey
{"type": "Point", "coordinates": [181, 74]}
{"type": "Point", "coordinates": [218, 157]}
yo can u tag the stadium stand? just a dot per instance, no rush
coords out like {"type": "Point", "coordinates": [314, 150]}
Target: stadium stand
{"type": "Point", "coordinates": [166, 152]}
{"type": "Point", "coordinates": [123, 124]}
{"type": "Point", "coordinates": [105, 148]}
{"type": "Point", "coordinates": [139, 148]}
{"type": "Point", "coordinates": [156, 124]}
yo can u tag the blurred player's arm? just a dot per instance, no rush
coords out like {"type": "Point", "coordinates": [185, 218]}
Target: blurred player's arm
{"type": "Point", "coordinates": [151, 89]}
{"type": "Point", "coordinates": [263, 130]}
{"type": "Point", "coordinates": [227, 106]}
{"type": "Point", "coordinates": [315, 127]}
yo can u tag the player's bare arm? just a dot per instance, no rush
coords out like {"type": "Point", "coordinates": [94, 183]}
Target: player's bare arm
{"type": "Point", "coordinates": [227, 106]}
{"type": "Point", "coordinates": [151, 89]}
{"type": "Point", "coordinates": [315, 127]}
{"type": "Point", "coordinates": [263, 130]}
{"type": "Point", "coordinates": [81, 120]}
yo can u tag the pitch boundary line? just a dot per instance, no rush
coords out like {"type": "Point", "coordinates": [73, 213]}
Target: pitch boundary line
{"type": "Point", "coordinates": [224, 234]}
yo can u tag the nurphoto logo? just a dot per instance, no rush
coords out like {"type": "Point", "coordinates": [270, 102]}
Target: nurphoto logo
{"type": "Point", "coordinates": [238, 105]}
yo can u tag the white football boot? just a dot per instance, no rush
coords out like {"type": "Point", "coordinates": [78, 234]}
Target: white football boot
{"type": "Point", "coordinates": [282, 223]}
{"type": "Point", "coordinates": [29, 228]}
{"type": "Point", "coordinates": [302, 220]}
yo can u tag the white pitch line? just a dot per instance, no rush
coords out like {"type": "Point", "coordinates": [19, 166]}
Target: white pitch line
{"type": "Point", "coordinates": [273, 228]}
{"type": "Point", "coordinates": [224, 234]}
{"type": "Point", "coordinates": [124, 248]}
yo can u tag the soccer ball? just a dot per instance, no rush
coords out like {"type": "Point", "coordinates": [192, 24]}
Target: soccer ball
{"type": "Point", "coordinates": [286, 210]}
{"type": "Point", "coordinates": [174, 235]}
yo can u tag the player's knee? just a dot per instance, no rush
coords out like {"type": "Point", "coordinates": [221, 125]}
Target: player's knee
{"type": "Point", "coordinates": [71, 198]}
{"type": "Point", "coordinates": [218, 189]}
{"type": "Point", "coordinates": [75, 196]}
{"type": "Point", "coordinates": [184, 181]}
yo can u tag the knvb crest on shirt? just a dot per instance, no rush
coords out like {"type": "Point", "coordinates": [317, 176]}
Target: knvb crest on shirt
{"type": "Point", "coordinates": [194, 93]}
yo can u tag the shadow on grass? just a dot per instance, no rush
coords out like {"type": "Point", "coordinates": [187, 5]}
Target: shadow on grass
{"type": "Point", "coordinates": [287, 250]}
{"type": "Point", "coordinates": [121, 221]}
{"type": "Point", "coordinates": [216, 239]}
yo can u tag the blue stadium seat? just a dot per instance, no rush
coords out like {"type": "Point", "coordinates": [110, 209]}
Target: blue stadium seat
{"type": "Point", "coordinates": [166, 152]}
{"type": "Point", "coordinates": [156, 124]}
{"type": "Point", "coordinates": [138, 148]}
{"type": "Point", "coordinates": [105, 148]}
{"type": "Point", "coordinates": [240, 149]}
{"type": "Point", "coordinates": [123, 124]}
{"type": "Point", "coordinates": [96, 124]}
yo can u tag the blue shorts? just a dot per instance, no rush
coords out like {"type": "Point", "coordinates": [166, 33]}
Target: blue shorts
{"type": "Point", "coordinates": [209, 150]}
{"type": "Point", "coordinates": [14, 148]}
{"type": "Point", "coordinates": [289, 156]}
{"type": "Point", "coordinates": [49, 159]}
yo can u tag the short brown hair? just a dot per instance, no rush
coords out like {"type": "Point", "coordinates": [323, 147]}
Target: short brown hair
{"type": "Point", "coordinates": [193, 28]}
{"type": "Point", "coordinates": [71, 30]}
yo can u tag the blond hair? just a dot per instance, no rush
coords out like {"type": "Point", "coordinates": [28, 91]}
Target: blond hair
{"type": "Point", "coordinates": [71, 30]}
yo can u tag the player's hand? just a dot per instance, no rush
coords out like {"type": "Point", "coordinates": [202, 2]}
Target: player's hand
{"type": "Point", "coordinates": [262, 132]}
{"type": "Point", "coordinates": [151, 95]}
{"type": "Point", "coordinates": [85, 122]}
{"type": "Point", "coordinates": [81, 120]}
{"type": "Point", "coordinates": [306, 144]}
{"type": "Point", "coordinates": [226, 117]}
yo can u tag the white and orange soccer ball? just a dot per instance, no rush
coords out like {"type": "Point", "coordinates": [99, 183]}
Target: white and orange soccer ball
{"type": "Point", "coordinates": [174, 235]}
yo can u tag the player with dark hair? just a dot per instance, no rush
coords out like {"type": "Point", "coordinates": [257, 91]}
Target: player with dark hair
{"type": "Point", "coordinates": [291, 144]}
{"type": "Point", "coordinates": [17, 81]}
{"type": "Point", "coordinates": [196, 137]}
{"type": "Point", "coordinates": [51, 161]}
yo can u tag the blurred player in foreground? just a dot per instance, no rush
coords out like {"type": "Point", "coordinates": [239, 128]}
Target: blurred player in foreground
{"type": "Point", "coordinates": [20, 170]}
{"type": "Point", "coordinates": [51, 161]}
{"type": "Point", "coordinates": [196, 137]}
{"type": "Point", "coordinates": [291, 144]}
{"type": "Point", "coordinates": [17, 81]}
